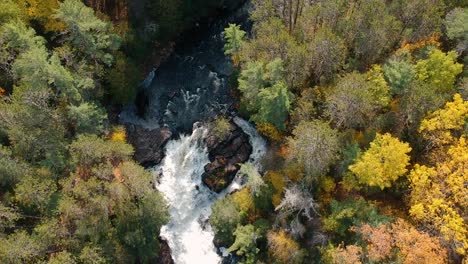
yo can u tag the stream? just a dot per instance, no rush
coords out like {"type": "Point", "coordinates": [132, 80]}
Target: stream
{"type": "Point", "coordinates": [188, 233]}
{"type": "Point", "coordinates": [193, 85]}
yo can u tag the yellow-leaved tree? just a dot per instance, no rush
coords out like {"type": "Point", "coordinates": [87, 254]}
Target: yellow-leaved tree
{"type": "Point", "coordinates": [439, 195]}
{"type": "Point", "coordinates": [43, 11]}
{"type": "Point", "coordinates": [383, 163]}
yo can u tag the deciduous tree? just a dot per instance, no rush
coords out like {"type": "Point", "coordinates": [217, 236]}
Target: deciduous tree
{"type": "Point", "coordinates": [383, 163]}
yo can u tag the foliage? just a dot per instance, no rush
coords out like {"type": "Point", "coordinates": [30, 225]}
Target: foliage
{"type": "Point", "coordinates": [383, 163]}
{"type": "Point", "coordinates": [283, 248]}
{"type": "Point", "coordinates": [245, 243]}
{"type": "Point", "coordinates": [326, 54]}
{"type": "Point", "coordinates": [314, 146]}
{"type": "Point", "coordinates": [438, 198]}
{"type": "Point", "coordinates": [225, 218]}
{"type": "Point", "coordinates": [350, 254]}
{"type": "Point", "coordinates": [414, 246]}
{"type": "Point", "coordinates": [234, 37]}
{"type": "Point", "coordinates": [355, 100]}
{"type": "Point", "coordinates": [265, 93]}
{"type": "Point", "coordinates": [87, 118]}
{"type": "Point", "coordinates": [220, 127]}
{"type": "Point", "coordinates": [254, 179]}
{"type": "Point", "coordinates": [349, 213]}
{"type": "Point", "coordinates": [438, 125]}
{"type": "Point", "coordinates": [399, 74]}
{"type": "Point", "coordinates": [87, 33]}
{"type": "Point", "coordinates": [123, 80]}
{"type": "Point", "coordinates": [456, 24]}
{"type": "Point", "coordinates": [439, 69]}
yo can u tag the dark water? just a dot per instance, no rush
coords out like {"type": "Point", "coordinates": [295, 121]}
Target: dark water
{"type": "Point", "coordinates": [194, 83]}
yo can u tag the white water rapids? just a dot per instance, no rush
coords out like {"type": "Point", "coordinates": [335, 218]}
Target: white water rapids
{"type": "Point", "coordinates": [188, 233]}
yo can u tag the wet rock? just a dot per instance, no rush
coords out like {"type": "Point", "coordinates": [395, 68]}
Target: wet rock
{"type": "Point", "coordinates": [148, 143]}
{"type": "Point", "coordinates": [164, 253]}
{"type": "Point", "coordinates": [225, 154]}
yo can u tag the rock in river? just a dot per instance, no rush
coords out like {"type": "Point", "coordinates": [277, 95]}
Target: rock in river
{"type": "Point", "coordinates": [225, 154]}
{"type": "Point", "coordinates": [148, 143]}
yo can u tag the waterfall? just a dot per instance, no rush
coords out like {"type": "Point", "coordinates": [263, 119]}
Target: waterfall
{"type": "Point", "coordinates": [188, 233]}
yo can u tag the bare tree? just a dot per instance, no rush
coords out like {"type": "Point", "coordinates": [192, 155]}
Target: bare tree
{"type": "Point", "coordinates": [299, 201]}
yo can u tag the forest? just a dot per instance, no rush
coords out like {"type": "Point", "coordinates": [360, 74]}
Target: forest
{"type": "Point", "coordinates": [363, 105]}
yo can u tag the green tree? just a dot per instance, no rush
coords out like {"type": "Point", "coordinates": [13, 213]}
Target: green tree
{"type": "Point", "coordinates": [234, 38]}
{"type": "Point", "coordinates": [399, 74]}
{"type": "Point", "coordinates": [87, 33]}
{"type": "Point", "coordinates": [274, 105]}
{"type": "Point", "coordinates": [254, 179]}
{"type": "Point", "coordinates": [351, 212]}
{"type": "Point", "coordinates": [264, 92]}
{"type": "Point", "coordinates": [456, 25]}
{"type": "Point", "coordinates": [245, 243]}
{"type": "Point", "coordinates": [383, 163]}
{"type": "Point", "coordinates": [87, 118]}
{"type": "Point", "coordinates": [225, 218]}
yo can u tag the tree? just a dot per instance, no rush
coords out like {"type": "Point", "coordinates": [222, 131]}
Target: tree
{"type": "Point", "coordinates": [348, 213]}
{"type": "Point", "coordinates": [34, 193]}
{"type": "Point", "coordinates": [456, 24]}
{"type": "Point", "coordinates": [254, 179]}
{"type": "Point", "coordinates": [272, 41]}
{"type": "Point", "coordinates": [123, 80]}
{"type": "Point", "coordinates": [326, 54]}
{"type": "Point", "coordinates": [12, 170]}
{"type": "Point", "coordinates": [399, 74]}
{"type": "Point", "coordinates": [314, 146]}
{"type": "Point", "coordinates": [234, 38]}
{"type": "Point", "coordinates": [283, 248]}
{"type": "Point", "coordinates": [264, 92]}
{"type": "Point", "coordinates": [439, 69]}
{"type": "Point", "coordinates": [419, 99]}
{"type": "Point", "coordinates": [274, 105]}
{"type": "Point", "coordinates": [246, 243]}
{"type": "Point", "coordinates": [9, 11]}
{"type": "Point", "coordinates": [369, 29]}
{"type": "Point", "coordinates": [87, 33]}
{"type": "Point", "coordinates": [87, 118]}
{"type": "Point", "coordinates": [297, 200]}
{"type": "Point", "coordinates": [20, 247]}
{"type": "Point", "coordinates": [251, 81]}
{"type": "Point", "coordinates": [42, 12]}
{"type": "Point", "coordinates": [350, 254]}
{"type": "Point", "coordinates": [438, 197]}
{"type": "Point", "coordinates": [8, 217]}
{"type": "Point", "coordinates": [354, 101]}
{"type": "Point", "coordinates": [225, 218]}
{"type": "Point", "coordinates": [383, 163]}
{"type": "Point", "coordinates": [442, 126]}
{"type": "Point", "coordinates": [16, 38]}
{"type": "Point", "coordinates": [415, 246]}
{"type": "Point", "coordinates": [420, 18]}
{"type": "Point", "coordinates": [437, 194]}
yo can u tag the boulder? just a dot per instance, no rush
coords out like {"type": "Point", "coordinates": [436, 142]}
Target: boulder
{"type": "Point", "coordinates": [148, 143]}
{"type": "Point", "coordinates": [164, 253]}
{"type": "Point", "coordinates": [225, 154]}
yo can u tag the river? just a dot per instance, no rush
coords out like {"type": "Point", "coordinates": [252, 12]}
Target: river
{"type": "Point", "coordinates": [188, 233]}
{"type": "Point", "coordinates": [192, 85]}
